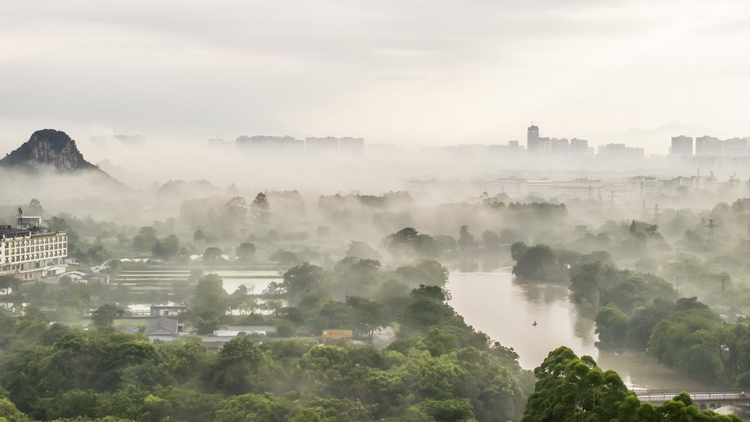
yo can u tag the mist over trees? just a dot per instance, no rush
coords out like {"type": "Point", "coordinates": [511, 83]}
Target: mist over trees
{"type": "Point", "coordinates": [377, 265]}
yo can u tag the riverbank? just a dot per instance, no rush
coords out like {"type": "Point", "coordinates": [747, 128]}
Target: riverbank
{"type": "Point", "coordinates": [505, 309]}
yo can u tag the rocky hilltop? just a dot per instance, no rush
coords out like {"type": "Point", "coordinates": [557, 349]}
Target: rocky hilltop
{"type": "Point", "coordinates": [49, 148]}
{"type": "Point", "coordinates": [51, 153]}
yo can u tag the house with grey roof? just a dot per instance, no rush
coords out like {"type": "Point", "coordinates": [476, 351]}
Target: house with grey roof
{"type": "Point", "coordinates": [162, 328]}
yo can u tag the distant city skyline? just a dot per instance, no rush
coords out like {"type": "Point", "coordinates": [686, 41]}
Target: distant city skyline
{"type": "Point", "coordinates": [407, 73]}
{"type": "Point", "coordinates": [659, 138]}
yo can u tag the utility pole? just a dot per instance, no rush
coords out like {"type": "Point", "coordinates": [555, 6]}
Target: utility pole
{"type": "Point", "coordinates": [677, 283]}
{"type": "Point", "coordinates": [711, 226]}
{"type": "Point", "coordinates": [656, 215]}
{"type": "Point", "coordinates": [723, 283]}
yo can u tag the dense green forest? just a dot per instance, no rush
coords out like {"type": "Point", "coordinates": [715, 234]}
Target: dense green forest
{"type": "Point", "coordinates": [570, 389]}
{"type": "Point", "coordinates": [655, 289]}
{"type": "Point", "coordinates": [437, 369]}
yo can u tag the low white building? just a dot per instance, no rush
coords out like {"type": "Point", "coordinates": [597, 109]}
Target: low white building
{"type": "Point", "coordinates": [235, 330]}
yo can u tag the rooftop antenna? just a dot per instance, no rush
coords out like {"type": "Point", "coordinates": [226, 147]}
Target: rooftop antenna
{"type": "Point", "coordinates": [19, 222]}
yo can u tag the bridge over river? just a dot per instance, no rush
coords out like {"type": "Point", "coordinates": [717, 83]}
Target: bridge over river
{"type": "Point", "coordinates": [702, 399]}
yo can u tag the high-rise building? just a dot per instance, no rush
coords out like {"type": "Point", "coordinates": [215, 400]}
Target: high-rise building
{"type": "Point", "coordinates": [735, 147]}
{"type": "Point", "coordinates": [532, 138]}
{"type": "Point", "coordinates": [550, 146]}
{"type": "Point", "coordinates": [325, 145]}
{"type": "Point", "coordinates": [620, 152]}
{"type": "Point", "coordinates": [682, 145]}
{"type": "Point", "coordinates": [270, 143]}
{"type": "Point", "coordinates": [512, 149]}
{"type": "Point", "coordinates": [579, 146]}
{"type": "Point", "coordinates": [632, 153]}
{"type": "Point", "coordinates": [615, 151]}
{"type": "Point", "coordinates": [707, 146]}
{"type": "Point", "coordinates": [354, 146]}
{"type": "Point", "coordinates": [559, 146]}
{"type": "Point", "coordinates": [544, 145]}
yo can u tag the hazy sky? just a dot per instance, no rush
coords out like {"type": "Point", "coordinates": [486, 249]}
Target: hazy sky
{"type": "Point", "coordinates": [406, 72]}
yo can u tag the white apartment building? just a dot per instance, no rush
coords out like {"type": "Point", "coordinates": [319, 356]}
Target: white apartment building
{"type": "Point", "coordinates": [32, 254]}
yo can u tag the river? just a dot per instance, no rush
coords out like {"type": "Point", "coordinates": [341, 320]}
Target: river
{"type": "Point", "coordinates": [505, 308]}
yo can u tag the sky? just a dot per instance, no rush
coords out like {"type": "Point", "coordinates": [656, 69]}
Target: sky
{"type": "Point", "coordinates": [407, 72]}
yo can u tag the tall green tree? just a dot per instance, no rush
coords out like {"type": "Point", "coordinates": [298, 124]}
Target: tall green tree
{"type": "Point", "coordinates": [212, 255]}
{"type": "Point", "coordinates": [368, 316]}
{"type": "Point", "coordinates": [466, 239]}
{"type": "Point", "coordinates": [237, 369]}
{"type": "Point", "coordinates": [107, 314]}
{"type": "Point", "coordinates": [302, 279]}
{"type": "Point", "coordinates": [145, 239]}
{"type": "Point", "coordinates": [167, 248]}
{"type": "Point", "coordinates": [246, 252]}
{"type": "Point", "coordinates": [260, 208]}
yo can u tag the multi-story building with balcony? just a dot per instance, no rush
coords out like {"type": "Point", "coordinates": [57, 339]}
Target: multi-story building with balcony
{"type": "Point", "coordinates": [32, 253]}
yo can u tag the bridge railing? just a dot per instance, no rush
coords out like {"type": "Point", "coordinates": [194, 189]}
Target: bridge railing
{"type": "Point", "coordinates": [716, 396]}
{"type": "Point", "coordinates": [674, 392]}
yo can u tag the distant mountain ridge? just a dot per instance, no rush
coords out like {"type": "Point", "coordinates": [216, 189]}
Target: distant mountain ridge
{"type": "Point", "coordinates": [49, 148]}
